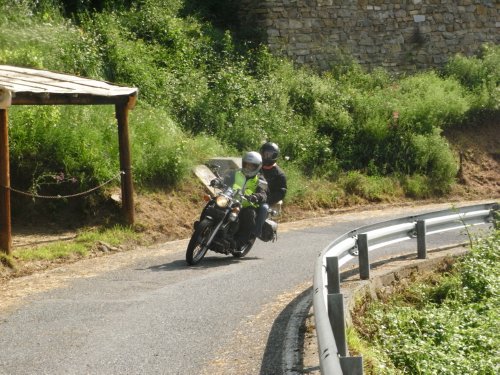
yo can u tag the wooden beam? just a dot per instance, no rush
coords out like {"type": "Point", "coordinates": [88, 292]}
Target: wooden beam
{"type": "Point", "coordinates": [66, 99]}
{"type": "Point", "coordinates": [5, 221]}
{"type": "Point", "coordinates": [125, 164]}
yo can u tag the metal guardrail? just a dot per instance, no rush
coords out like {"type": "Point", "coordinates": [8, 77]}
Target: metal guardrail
{"type": "Point", "coordinates": [327, 299]}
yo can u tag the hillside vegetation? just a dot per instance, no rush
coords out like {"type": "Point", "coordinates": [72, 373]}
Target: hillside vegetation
{"type": "Point", "coordinates": [345, 134]}
{"type": "Point", "coordinates": [444, 324]}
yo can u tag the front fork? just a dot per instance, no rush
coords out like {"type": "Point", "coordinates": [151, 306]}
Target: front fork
{"type": "Point", "coordinates": [214, 232]}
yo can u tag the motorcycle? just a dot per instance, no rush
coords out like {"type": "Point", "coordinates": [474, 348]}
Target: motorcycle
{"type": "Point", "coordinates": [219, 223]}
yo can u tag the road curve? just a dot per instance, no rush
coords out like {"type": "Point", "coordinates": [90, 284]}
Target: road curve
{"type": "Point", "coordinates": [146, 312]}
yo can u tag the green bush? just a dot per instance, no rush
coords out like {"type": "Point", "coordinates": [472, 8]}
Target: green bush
{"type": "Point", "coordinates": [417, 186]}
{"type": "Point", "coordinates": [449, 326]}
{"type": "Point", "coordinates": [426, 101]}
{"type": "Point", "coordinates": [162, 154]}
{"type": "Point", "coordinates": [50, 142]}
{"type": "Point", "coordinates": [433, 158]}
{"type": "Point", "coordinates": [371, 188]}
{"type": "Point", "coordinates": [47, 41]}
{"type": "Point", "coordinates": [311, 193]}
{"type": "Point", "coordinates": [67, 149]}
{"type": "Point", "coordinates": [480, 75]}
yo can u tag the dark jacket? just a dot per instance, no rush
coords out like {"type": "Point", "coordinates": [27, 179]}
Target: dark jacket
{"type": "Point", "coordinates": [276, 181]}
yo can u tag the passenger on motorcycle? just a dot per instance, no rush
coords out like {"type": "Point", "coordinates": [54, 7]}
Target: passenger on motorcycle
{"type": "Point", "coordinates": [276, 180]}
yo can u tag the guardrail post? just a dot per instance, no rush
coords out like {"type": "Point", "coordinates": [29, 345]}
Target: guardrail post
{"type": "Point", "coordinates": [495, 216]}
{"type": "Point", "coordinates": [333, 274]}
{"type": "Point", "coordinates": [337, 321]}
{"type": "Point", "coordinates": [363, 259]}
{"type": "Point", "coordinates": [421, 245]}
{"type": "Point", "coordinates": [352, 365]}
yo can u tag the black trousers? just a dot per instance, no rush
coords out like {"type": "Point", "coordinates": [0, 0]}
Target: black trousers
{"type": "Point", "coordinates": [247, 220]}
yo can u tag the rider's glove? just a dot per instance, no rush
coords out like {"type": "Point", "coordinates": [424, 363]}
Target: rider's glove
{"type": "Point", "coordinates": [215, 182]}
{"type": "Point", "coordinates": [252, 198]}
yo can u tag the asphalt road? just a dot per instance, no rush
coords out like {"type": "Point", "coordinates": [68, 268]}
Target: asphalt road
{"type": "Point", "coordinates": [147, 312]}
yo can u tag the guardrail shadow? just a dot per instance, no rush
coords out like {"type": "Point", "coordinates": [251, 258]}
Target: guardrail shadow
{"type": "Point", "coordinates": [283, 353]}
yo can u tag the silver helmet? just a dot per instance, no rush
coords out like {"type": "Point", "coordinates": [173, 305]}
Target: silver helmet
{"type": "Point", "coordinates": [251, 164]}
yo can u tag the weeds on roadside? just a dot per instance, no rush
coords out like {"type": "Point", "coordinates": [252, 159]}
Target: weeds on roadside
{"type": "Point", "coordinates": [448, 326]}
{"type": "Point", "coordinates": [81, 245]}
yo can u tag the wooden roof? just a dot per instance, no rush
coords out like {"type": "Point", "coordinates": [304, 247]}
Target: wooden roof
{"type": "Point", "coordinates": [33, 86]}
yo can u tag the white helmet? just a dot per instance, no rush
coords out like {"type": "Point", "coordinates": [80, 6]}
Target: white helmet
{"type": "Point", "coordinates": [251, 164]}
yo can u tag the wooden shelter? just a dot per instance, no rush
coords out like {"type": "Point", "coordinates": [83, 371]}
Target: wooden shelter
{"type": "Point", "coordinates": [22, 86]}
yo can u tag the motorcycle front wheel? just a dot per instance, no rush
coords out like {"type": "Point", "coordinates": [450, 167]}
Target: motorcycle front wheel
{"type": "Point", "coordinates": [197, 247]}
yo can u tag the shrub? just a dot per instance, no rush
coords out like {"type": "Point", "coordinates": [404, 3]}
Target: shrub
{"type": "Point", "coordinates": [417, 186]}
{"type": "Point", "coordinates": [61, 151]}
{"type": "Point", "coordinates": [433, 158]}
{"type": "Point", "coordinates": [371, 188]}
{"type": "Point", "coordinates": [480, 75]}
{"type": "Point", "coordinates": [46, 41]}
{"type": "Point", "coordinates": [162, 154]}
{"type": "Point", "coordinates": [77, 142]}
{"type": "Point", "coordinates": [311, 193]}
{"type": "Point", "coordinates": [425, 102]}
{"type": "Point", "coordinates": [448, 326]}
{"type": "Point", "coordinates": [127, 60]}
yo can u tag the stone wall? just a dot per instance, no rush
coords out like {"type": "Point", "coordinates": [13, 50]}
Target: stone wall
{"type": "Point", "coordinates": [400, 35]}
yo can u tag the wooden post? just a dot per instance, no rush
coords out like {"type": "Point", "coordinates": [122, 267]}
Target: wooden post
{"type": "Point", "coordinates": [5, 223]}
{"type": "Point", "coordinates": [125, 164]}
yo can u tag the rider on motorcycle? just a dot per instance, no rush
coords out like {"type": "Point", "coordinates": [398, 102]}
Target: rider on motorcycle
{"type": "Point", "coordinates": [254, 188]}
{"type": "Point", "coordinates": [227, 222]}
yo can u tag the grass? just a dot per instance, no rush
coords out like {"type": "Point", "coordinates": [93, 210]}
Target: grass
{"type": "Point", "coordinates": [374, 361]}
{"type": "Point", "coordinates": [81, 246]}
{"type": "Point", "coordinates": [446, 324]}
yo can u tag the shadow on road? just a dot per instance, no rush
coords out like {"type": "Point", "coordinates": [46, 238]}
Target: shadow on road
{"type": "Point", "coordinates": [207, 262]}
{"type": "Point", "coordinates": [283, 354]}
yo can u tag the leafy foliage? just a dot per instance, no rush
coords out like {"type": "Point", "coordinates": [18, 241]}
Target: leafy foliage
{"type": "Point", "coordinates": [447, 327]}
{"type": "Point", "coordinates": [480, 75]}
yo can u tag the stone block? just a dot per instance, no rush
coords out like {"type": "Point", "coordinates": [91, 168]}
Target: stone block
{"type": "Point", "coordinates": [273, 32]}
{"type": "Point", "coordinates": [295, 24]}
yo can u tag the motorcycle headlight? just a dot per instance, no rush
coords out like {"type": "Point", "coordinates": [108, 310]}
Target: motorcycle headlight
{"type": "Point", "coordinates": [222, 201]}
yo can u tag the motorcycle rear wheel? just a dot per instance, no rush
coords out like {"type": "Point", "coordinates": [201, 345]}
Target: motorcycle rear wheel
{"type": "Point", "coordinates": [244, 249]}
{"type": "Point", "coordinates": [197, 247]}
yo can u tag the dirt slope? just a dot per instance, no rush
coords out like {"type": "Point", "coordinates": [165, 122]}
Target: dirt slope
{"type": "Point", "coordinates": [478, 148]}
